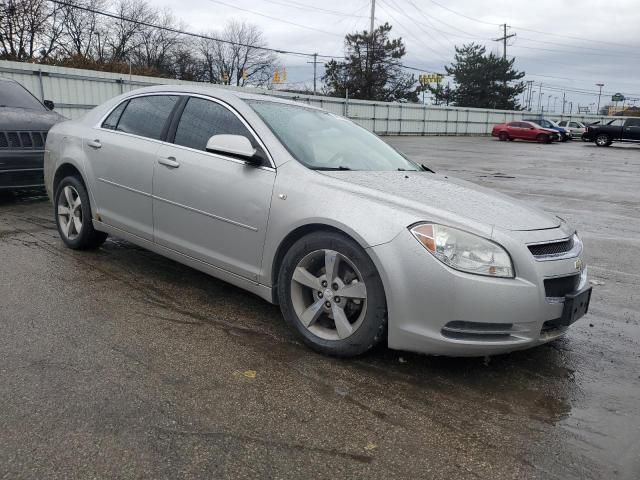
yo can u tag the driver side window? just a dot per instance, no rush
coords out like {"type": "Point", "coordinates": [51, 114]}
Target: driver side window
{"type": "Point", "coordinates": [201, 119]}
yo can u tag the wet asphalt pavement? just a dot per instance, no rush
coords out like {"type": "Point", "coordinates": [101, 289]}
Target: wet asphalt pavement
{"type": "Point", "coordinates": [122, 364]}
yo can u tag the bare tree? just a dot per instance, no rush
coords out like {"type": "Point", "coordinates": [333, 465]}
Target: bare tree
{"type": "Point", "coordinates": [157, 44]}
{"type": "Point", "coordinates": [22, 23]}
{"type": "Point", "coordinates": [124, 34]}
{"type": "Point", "coordinates": [81, 27]}
{"type": "Point", "coordinates": [239, 60]}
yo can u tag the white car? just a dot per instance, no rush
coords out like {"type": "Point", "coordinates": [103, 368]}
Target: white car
{"type": "Point", "coordinates": [576, 128]}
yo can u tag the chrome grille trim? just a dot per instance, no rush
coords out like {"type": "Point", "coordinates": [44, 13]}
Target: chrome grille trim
{"type": "Point", "coordinates": [569, 247]}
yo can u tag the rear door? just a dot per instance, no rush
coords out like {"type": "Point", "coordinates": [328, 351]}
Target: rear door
{"type": "Point", "coordinates": [208, 206]}
{"type": "Point", "coordinates": [632, 129]}
{"type": "Point", "coordinates": [122, 153]}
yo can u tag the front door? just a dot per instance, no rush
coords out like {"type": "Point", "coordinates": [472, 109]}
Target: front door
{"type": "Point", "coordinates": [211, 207]}
{"type": "Point", "coordinates": [122, 152]}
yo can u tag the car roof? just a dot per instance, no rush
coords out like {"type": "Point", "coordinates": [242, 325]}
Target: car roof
{"type": "Point", "coordinates": [218, 92]}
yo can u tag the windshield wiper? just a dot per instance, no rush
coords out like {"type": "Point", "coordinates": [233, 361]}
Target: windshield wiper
{"type": "Point", "coordinates": [330, 169]}
{"type": "Point", "coordinates": [427, 169]}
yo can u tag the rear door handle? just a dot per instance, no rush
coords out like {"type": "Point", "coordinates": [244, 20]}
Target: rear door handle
{"type": "Point", "coordinates": [169, 162]}
{"type": "Point", "coordinates": [94, 143]}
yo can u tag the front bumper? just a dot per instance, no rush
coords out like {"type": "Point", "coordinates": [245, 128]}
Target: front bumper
{"type": "Point", "coordinates": [21, 169]}
{"type": "Point", "coordinates": [431, 306]}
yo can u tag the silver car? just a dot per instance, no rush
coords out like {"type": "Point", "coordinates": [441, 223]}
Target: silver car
{"type": "Point", "coordinates": [356, 243]}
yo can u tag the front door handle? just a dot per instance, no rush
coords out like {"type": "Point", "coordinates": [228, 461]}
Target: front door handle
{"type": "Point", "coordinates": [94, 143]}
{"type": "Point", "coordinates": [169, 162]}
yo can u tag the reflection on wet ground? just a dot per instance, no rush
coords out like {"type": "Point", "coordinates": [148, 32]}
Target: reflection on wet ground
{"type": "Point", "coordinates": [122, 363]}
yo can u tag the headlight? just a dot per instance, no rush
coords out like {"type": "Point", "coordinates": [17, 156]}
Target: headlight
{"type": "Point", "coordinates": [464, 251]}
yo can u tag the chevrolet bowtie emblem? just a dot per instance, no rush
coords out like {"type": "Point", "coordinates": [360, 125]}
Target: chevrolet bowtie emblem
{"type": "Point", "coordinates": [579, 265]}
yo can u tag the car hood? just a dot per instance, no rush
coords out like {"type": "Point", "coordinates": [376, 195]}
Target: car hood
{"type": "Point", "coordinates": [26, 119]}
{"type": "Point", "coordinates": [438, 195]}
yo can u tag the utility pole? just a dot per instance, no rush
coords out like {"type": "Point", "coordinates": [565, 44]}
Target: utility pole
{"type": "Point", "coordinates": [540, 97]}
{"type": "Point", "coordinates": [564, 102]}
{"type": "Point", "coordinates": [599, 95]}
{"type": "Point", "coordinates": [504, 39]}
{"type": "Point", "coordinates": [373, 14]}
{"type": "Point", "coordinates": [529, 88]}
{"type": "Point", "coordinates": [315, 75]}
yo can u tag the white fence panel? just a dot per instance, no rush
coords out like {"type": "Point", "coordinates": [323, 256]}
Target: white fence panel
{"type": "Point", "coordinates": [75, 91]}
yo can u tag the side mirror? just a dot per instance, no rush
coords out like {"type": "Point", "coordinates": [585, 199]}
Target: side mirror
{"type": "Point", "coordinates": [49, 104]}
{"type": "Point", "coordinates": [237, 146]}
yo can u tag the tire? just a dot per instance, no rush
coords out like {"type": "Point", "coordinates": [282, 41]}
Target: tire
{"type": "Point", "coordinates": [542, 138]}
{"type": "Point", "coordinates": [511, 139]}
{"type": "Point", "coordinates": [603, 140]}
{"type": "Point", "coordinates": [564, 138]}
{"type": "Point", "coordinates": [503, 136]}
{"type": "Point", "coordinates": [311, 303]}
{"type": "Point", "coordinates": [73, 219]}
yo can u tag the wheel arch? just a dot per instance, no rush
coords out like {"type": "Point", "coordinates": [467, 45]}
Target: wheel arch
{"type": "Point", "coordinates": [66, 169]}
{"type": "Point", "coordinates": [296, 234]}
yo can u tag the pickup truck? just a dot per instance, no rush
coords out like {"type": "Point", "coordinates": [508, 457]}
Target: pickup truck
{"type": "Point", "coordinates": [618, 130]}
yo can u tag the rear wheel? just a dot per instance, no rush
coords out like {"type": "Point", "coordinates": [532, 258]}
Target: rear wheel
{"type": "Point", "coordinates": [603, 140]}
{"type": "Point", "coordinates": [73, 216]}
{"type": "Point", "coordinates": [331, 294]}
{"type": "Point", "coordinates": [503, 136]}
{"type": "Point", "coordinates": [543, 138]}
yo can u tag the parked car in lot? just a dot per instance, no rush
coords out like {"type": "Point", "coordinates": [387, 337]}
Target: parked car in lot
{"type": "Point", "coordinates": [576, 128]}
{"type": "Point", "coordinates": [524, 131]}
{"type": "Point", "coordinates": [277, 198]}
{"type": "Point", "coordinates": [24, 123]}
{"type": "Point", "coordinates": [563, 133]}
{"type": "Point", "coordinates": [618, 130]}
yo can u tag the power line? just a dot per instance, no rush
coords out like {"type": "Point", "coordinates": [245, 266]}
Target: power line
{"type": "Point", "coordinates": [276, 18]}
{"type": "Point", "coordinates": [462, 14]}
{"type": "Point", "coordinates": [182, 32]}
{"type": "Point", "coordinates": [208, 37]}
{"type": "Point", "coordinates": [301, 6]}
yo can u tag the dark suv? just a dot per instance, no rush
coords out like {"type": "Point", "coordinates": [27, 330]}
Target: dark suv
{"type": "Point", "coordinates": [24, 123]}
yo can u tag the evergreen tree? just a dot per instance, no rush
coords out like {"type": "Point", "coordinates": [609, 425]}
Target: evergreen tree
{"type": "Point", "coordinates": [484, 81]}
{"type": "Point", "coordinates": [372, 69]}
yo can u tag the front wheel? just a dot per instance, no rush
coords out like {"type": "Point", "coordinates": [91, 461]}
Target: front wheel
{"type": "Point", "coordinates": [603, 140]}
{"type": "Point", "coordinates": [542, 138]}
{"type": "Point", "coordinates": [503, 137]}
{"type": "Point", "coordinates": [331, 295]}
{"type": "Point", "coordinates": [73, 216]}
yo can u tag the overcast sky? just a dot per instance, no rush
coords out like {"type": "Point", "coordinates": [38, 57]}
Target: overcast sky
{"type": "Point", "coordinates": [606, 47]}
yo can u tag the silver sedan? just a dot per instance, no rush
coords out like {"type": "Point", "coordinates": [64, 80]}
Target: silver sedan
{"type": "Point", "coordinates": [356, 243]}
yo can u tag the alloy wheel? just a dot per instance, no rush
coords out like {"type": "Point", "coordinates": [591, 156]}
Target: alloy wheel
{"type": "Point", "coordinates": [329, 294]}
{"type": "Point", "coordinates": [70, 212]}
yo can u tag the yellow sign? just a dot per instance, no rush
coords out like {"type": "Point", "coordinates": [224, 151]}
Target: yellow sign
{"type": "Point", "coordinates": [279, 76]}
{"type": "Point", "coordinates": [427, 78]}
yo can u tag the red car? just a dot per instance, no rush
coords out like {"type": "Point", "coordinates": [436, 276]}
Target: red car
{"type": "Point", "coordinates": [524, 131]}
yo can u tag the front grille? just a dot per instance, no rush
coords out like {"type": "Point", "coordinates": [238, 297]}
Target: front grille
{"type": "Point", "coordinates": [20, 140]}
{"type": "Point", "coordinates": [561, 286]}
{"type": "Point", "coordinates": [553, 248]}
{"type": "Point", "coordinates": [488, 332]}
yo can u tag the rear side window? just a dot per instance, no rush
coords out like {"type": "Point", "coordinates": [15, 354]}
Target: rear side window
{"type": "Point", "coordinates": [202, 119]}
{"type": "Point", "coordinates": [147, 116]}
{"type": "Point", "coordinates": [111, 122]}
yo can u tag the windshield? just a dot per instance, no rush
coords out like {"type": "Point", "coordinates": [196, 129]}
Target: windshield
{"type": "Point", "coordinates": [324, 141]}
{"type": "Point", "coordinates": [15, 95]}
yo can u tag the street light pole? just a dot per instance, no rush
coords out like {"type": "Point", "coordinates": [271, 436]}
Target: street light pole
{"type": "Point", "coordinates": [599, 95]}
